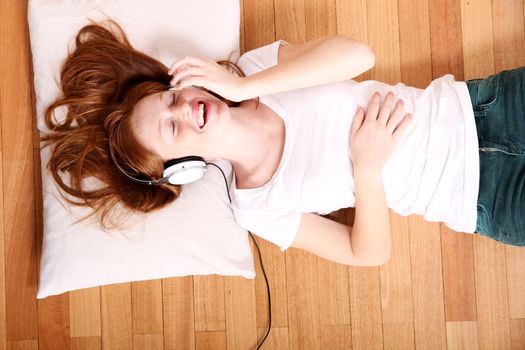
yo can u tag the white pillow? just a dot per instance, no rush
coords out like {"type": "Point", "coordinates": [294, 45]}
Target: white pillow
{"type": "Point", "coordinates": [195, 235]}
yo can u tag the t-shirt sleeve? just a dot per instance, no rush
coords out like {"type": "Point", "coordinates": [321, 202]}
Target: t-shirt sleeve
{"type": "Point", "coordinates": [261, 58]}
{"type": "Point", "coordinates": [277, 226]}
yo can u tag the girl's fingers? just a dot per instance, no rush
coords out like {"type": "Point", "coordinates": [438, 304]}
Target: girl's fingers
{"type": "Point", "coordinates": [181, 74]}
{"type": "Point", "coordinates": [358, 120]}
{"type": "Point", "coordinates": [188, 60]}
{"type": "Point", "coordinates": [373, 108]}
{"type": "Point", "coordinates": [402, 126]}
{"type": "Point", "coordinates": [192, 81]}
{"type": "Point", "coordinates": [386, 108]}
{"type": "Point", "coordinates": [395, 116]}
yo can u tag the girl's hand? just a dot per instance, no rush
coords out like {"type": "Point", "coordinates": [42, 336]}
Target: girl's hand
{"type": "Point", "coordinates": [209, 75]}
{"type": "Point", "coordinates": [373, 137]}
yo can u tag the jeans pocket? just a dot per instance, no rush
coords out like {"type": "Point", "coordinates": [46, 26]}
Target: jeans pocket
{"type": "Point", "coordinates": [484, 222]}
{"type": "Point", "coordinates": [487, 92]}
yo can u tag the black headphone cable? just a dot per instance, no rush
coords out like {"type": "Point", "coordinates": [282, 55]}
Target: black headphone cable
{"type": "Point", "coordinates": [261, 262]}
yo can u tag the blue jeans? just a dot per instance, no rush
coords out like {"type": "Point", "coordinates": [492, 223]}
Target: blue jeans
{"type": "Point", "coordinates": [499, 109]}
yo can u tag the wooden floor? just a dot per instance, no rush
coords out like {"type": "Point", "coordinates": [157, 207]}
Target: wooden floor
{"type": "Point", "coordinates": [441, 290]}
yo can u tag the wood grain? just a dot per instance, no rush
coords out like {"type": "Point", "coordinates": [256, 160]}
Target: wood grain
{"type": "Point", "coordinates": [462, 335]}
{"type": "Point", "coordinates": [117, 328]}
{"type": "Point", "coordinates": [259, 23]}
{"type": "Point", "coordinates": [427, 284]}
{"type": "Point", "coordinates": [399, 335]}
{"type": "Point", "coordinates": [84, 312]}
{"type": "Point", "coordinates": [491, 292]}
{"type": "Point", "coordinates": [446, 38]}
{"type": "Point", "coordinates": [517, 334]}
{"type": "Point", "coordinates": [303, 299]}
{"type": "Point", "coordinates": [17, 178]}
{"type": "Point", "coordinates": [241, 323]}
{"type": "Point", "coordinates": [179, 320]}
{"type": "Point", "coordinates": [365, 306]}
{"type": "Point", "coordinates": [208, 294]}
{"type": "Point", "coordinates": [146, 307]}
{"type": "Point", "coordinates": [277, 338]}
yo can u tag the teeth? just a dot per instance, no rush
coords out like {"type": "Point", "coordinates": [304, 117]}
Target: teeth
{"type": "Point", "coordinates": [201, 114]}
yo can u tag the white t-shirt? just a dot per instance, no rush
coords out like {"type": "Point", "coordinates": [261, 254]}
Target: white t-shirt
{"type": "Point", "coordinates": [434, 170]}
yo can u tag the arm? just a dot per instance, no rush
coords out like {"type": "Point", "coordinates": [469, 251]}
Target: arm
{"type": "Point", "coordinates": [372, 139]}
{"type": "Point", "coordinates": [367, 243]}
{"type": "Point", "coordinates": [316, 62]}
{"type": "Point", "coordinates": [313, 63]}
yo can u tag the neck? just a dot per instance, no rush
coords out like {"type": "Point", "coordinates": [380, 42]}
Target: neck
{"type": "Point", "coordinates": [251, 133]}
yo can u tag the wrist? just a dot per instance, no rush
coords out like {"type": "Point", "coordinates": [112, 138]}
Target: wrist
{"type": "Point", "coordinates": [367, 174]}
{"type": "Point", "coordinates": [249, 88]}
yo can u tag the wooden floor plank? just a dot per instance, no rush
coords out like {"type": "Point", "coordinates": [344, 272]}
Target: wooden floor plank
{"type": "Point", "coordinates": [277, 338]}
{"type": "Point", "coordinates": [53, 315]}
{"type": "Point", "coordinates": [86, 343]}
{"type": "Point", "coordinates": [31, 344]}
{"type": "Point", "coordinates": [509, 34]}
{"type": "Point", "coordinates": [275, 267]}
{"type": "Point", "coordinates": [336, 337]}
{"type": "Point", "coordinates": [458, 276]}
{"type": "Point", "coordinates": [427, 284]}
{"type": "Point", "coordinates": [146, 307]}
{"type": "Point", "coordinates": [365, 308]}
{"type": "Point", "coordinates": [383, 37]}
{"type": "Point", "coordinates": [208, 293]}
{"type": "Point", "coordinates": [148, 342]}
{"type": "Point", "coordinates": [515, 264]}
{"type": "Point", "coordinates": [117, 329]}
{"type": "Point", "coordinates": [491, 294]}
{"type": "Point", "coordinates": [210, 340]}
{"type": "Point", "coordinates": [179, 320]}
{"type": "Point", "coordinates": [5, 30]}
{"type": "Point", "coordinates": [18, 174]}
{"type": "Point", "coordinates": [414, 42]}
{"type": "Point", "coordinates": [462, 335]}
{"type": "Point", "coordinates": [478, 49]}
{"type": "Point", "coordinates": [259, 24]}
{"type": "Point", "coordinates": [517, 334]}
{"type": "Point", "coordinates": [303, 299]}
{"type": "Point", "coordinates": [334, 308]}
{"type": "Point", "coordinates": [399, 335]}
{"type": "Point", "coordinates": [241, 323]}
{"type": "Point", "coordinates": [84, 313]}
{"type": "Point", "coordinates": [446, 38]}
{"type": "Point", "coordinates": [320, 18]}
{"type": "Point", "coordinates": [290, 21]}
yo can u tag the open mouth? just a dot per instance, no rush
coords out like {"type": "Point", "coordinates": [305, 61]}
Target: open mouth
{"type": "Point", "coordinates": [202, 116]}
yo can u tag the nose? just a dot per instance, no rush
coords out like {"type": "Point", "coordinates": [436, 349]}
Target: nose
{"type": "Point", "coordinates": [182, 112]}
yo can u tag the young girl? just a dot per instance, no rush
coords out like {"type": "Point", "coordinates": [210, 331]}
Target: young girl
{"type": "Point", "coordinates": [303, 140]}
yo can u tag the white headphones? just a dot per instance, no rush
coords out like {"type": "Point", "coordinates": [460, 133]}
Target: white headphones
{"type": "Point", "coordinates": [177, 171]}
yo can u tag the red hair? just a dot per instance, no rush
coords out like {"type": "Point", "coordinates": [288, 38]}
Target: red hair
{"type": "Point", "coordinates": [102, 80]}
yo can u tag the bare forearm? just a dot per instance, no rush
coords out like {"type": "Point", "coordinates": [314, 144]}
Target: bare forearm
{"type": "Point", "coordinates": [334, 59]}
{"type": "Point", "coordinates": [371, 238]}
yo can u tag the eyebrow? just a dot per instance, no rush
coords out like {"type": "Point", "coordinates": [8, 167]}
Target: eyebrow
{"type": "Point", "coordinates": [160, 121]}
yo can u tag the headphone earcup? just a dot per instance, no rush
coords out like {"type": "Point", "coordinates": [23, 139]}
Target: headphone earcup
{"type": "Point", "coordinates": [184, 170]}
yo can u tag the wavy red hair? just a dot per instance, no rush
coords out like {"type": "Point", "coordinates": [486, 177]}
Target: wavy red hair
{"type": "Point", "coordinates": [102, 80]}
